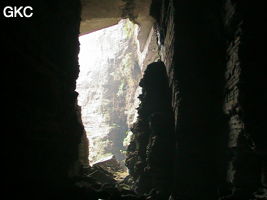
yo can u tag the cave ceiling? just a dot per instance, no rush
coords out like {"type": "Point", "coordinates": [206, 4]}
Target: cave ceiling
{"type": "Point", "coordinates": [99, 14]}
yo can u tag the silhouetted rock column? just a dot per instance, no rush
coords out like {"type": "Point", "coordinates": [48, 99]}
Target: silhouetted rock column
{"type": "Point", "coordinates": [150, 153]}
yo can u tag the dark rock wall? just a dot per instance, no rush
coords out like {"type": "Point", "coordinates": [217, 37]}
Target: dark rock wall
{"type": "Point", "coordinates": [150, 153]}
{"type": "Point", "coordinates": [42, 130]}
{"type": "Point", "coordinates": [193, 51]}
{"type": "Point", "coordinates": [245, 96]}
{"type": "Point", "coordinates": [217, 119]}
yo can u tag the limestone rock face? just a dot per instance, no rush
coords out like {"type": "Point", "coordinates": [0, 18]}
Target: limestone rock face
{"type": "Point", "coordinates": [99, 14]}
{"type": "Point", "coordinates": [107, 88]}
{"type": "Point", "coordinates": [243, 98]}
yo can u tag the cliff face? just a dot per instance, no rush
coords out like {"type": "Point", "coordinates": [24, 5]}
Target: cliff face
{"type": "Point", "coordinates": [107, 87]}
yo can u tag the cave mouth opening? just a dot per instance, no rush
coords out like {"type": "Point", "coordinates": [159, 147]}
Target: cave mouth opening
{"type": "Point", "coordinates": [108, 89]}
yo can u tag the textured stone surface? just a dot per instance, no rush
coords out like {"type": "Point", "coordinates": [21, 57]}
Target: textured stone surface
{"type": "Point", "coordinates": [198, 46]}
{"type": "Point", "coordinates": [149, 156]}
{"type": "Point", "coordinates": [246, 121]}
{"type": "Point", "coordinates": [192, 49]}
{"type": "Point", "coordinates": [98, 14]}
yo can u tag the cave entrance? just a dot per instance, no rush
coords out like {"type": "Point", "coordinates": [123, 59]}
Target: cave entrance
{"type": "Point", "coordinates": [108, 89]}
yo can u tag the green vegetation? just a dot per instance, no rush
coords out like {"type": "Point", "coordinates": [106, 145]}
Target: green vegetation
{"type": "Point", "coordinates": [114, 125]}
{"type": "Point", "coordinates": [122, 87]}
{"type": "Point", "coordinates": [127, 64]}
{"type": "Point", "coordinates": [128, 138]}
{"type": "Point", "coordinates": [128, 29]}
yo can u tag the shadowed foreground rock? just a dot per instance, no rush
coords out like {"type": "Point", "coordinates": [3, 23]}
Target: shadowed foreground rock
{"type": "Point", "coordinates": [150, 153]}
